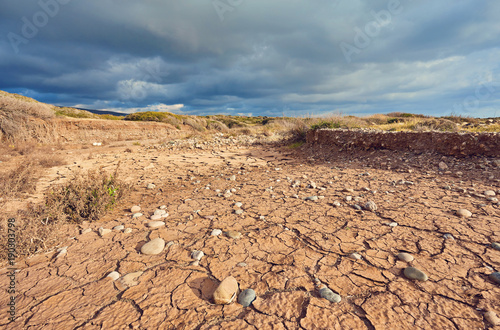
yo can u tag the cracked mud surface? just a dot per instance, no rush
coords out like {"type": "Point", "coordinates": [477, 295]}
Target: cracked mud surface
{"type": "Point", "coordinates": [286, 243]}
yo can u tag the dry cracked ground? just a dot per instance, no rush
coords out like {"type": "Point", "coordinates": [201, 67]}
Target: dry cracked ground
{"type": "Point", "coordinates": [291, 221]}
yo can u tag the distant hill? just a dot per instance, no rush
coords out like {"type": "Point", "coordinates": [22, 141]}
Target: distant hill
{"type": "Point", "coordinates": [103, 112]}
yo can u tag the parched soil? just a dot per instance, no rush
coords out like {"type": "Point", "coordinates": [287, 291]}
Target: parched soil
{"type": "Point", "coordinates": [289, 243]}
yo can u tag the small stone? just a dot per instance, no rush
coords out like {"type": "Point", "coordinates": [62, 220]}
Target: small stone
{"type": "Point", "coordinates": [312, 198]}
{"type": "Point", "coordinates": [246, 297]}
{"type": "Point", "coordinates": [415, 274]}
{"type": "Point", "coordinates": [241, 264]}
{"type": "Point", "coordinates": [197, 255]}
{"type": "Point", "coordinates": [137, 215]}
{"type": "Point", "coordinates": [233, 234]}
{"type": "Point", "coordinates": [119, 227]}
{"type": "Point", "coordinates": [195, 263]}
{"type": "Point", "coordinates": [357, 207]}
{"type": "Point", "coordinates": [489, 193]}
{"type": "Point", "coordinates": [216, 232]}
{"type": "Point", "coordinates": [463, 213]}
{"type": "Point", "coordinates": [496, 246]}
{"type": "Point", "coordinates": [155, 217]}
{"type": "Point", "coordinates": [151, 186]}
{"type": "Point", "coordinates": [156, 224]}
{"type": "Point", "coordinates": [329, 295]}
{"type": "Point", "coordinates": [405, 257]}
{"type": "Point", "coordinates": [163, 207]}
{"type": "Point", "coordinates": [153, 247]}
{"type": "Point", "coordinates": [492, 318]}
{"type": "Point", "coordinates": [104, 231]}
{"type": "Point", "coordinates": [87, 230]}
{"type": "Point", "coordinates": [135, 209]}
{"type": "Point", "coordinates": [495, 277]}
{"type": "Point", "coordinates": [371, 206]}
{"type": "Point", "coordinates": [238, 204]}
{"type": "Point", "coordinates": [232, 178]}
{"type": "Point", "coordinates": [127, 230]}
{"type": "Point", "coordinates": [336, 204]}
{"type": "Point", "coordinates": [348, 198]}
{"type": "Point", "coordinates": [239, 211]}
{"type": "Point", "coordinates": [393, 224]}
{"type": "Point", "coordinates": [114, 275]}
{"type": "Point", "coordinates": [355, 256]}
{"type": "Point", "coordinates": [312, 185]}
{"type": "Point", "coordinates": [448, 236]}
{"type": "Point", "coordinates": [62, 252]}
{"type": "Point", "coordinates": [159, 212]}
{"type": "Point", "coordinates": [228, 194]}
{"type": "Point", "coordinates": [226, 291]}
{"type": "Point", "coordinates": [443, 166]}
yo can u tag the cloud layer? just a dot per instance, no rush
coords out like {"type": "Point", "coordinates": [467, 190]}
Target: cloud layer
{"type": "Point", "coordinates": [256, 57]}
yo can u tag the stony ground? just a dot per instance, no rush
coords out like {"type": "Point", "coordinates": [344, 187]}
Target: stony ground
{"type": "Point", "coordinates": [283, 222]}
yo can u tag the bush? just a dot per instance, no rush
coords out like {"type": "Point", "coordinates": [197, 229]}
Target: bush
{"type": "Point", "coordinates": [325, 124]}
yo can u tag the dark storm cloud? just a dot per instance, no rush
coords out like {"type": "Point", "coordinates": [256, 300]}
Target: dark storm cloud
{"type": "Point", "coordinates": [259, 57]}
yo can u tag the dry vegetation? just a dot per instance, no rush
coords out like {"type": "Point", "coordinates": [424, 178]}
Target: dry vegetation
{"type": "Point", "coordinates": [25, 128]}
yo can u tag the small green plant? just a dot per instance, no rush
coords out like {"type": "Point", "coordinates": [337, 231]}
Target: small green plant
{"type": "Point", "coordinates": [136, 143]}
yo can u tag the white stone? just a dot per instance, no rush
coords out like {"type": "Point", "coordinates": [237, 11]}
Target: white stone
{"type": "Point", "coordinates": [153, 247]}
{"type": "Point", "coordinates": [114, 275]}
{"type": "Point", "coordinates": [156, 224]}
{"type": "Point", "coordinates": [104, 231]}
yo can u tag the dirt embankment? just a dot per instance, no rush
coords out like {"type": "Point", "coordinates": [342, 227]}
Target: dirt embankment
{"type": "Point", "coordinates": [450, 144]}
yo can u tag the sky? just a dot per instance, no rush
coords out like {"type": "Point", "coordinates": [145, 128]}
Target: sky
{"type": "Point", "coordinates": [255, 57]}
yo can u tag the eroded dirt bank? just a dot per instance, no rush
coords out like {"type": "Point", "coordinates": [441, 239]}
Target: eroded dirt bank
{"type": "Point", "coordinates": [302, 221]}
{"type": "Point", "coordinates": [450, 144]}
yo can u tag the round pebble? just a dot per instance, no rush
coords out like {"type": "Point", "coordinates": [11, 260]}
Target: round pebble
{"type": "Point", "coordinates": [329, 295]}
{"type": "Point", "coordinates": [151, 186]}
{"type": "Point", "coordinates": [371, 206]}
{"type": "Point", "coordinates": [355, 256]}
{"type": "Point", "coordinates": [135, 209]}
{"type": "Point", "coordinates": [156, 224]}
{"type": "Point", "coordinates": [153, 247]}
{"type": "Point", "coordinates": [495, 277]}
{"type": "Point", "coordinates": [120, 227]}
{"type": "Point", "coordinates": [405, 257]}
{"type": "Point", "coordinates": [226, 291]}
{"type": "Point", "coordinates": [156, 217]}
{"type": "Point", "coordinates": [246, 297]}
{"type": "Point", "coordinates": [137, 215]}
{"type": "Point", "coordinates": [448, 236]}
{"type": "Point", "coordinates": [489, 193]}
{"type": "Point", "coordinates": [197, 255]}
{"type": "Point", "coordinates": [492, 318]}
{"type": "Point", "coordinates": [114, 275]}
{"type": "Point", "coordinates": [239, 211]}
{"type": "Point", "coordinates": [233, 234]}
{"type": "Point", "coordinates": [415, 274]}
{"type": "Point", "coordinates": [496, 246]}
{"type": "Point", "coordinates": [463, 213]}
{"type": "Point", "coordinates": [393, 224]}
{"type": "Point", "coordinates": [241, 264]}
{"type": "Point", "coordinates": [159, 212]}
{"type": "Point", "coordinates": [216, 232]}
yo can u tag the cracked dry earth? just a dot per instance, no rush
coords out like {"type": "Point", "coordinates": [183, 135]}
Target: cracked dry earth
{"type": "Point", "coordinates": [289, 244]}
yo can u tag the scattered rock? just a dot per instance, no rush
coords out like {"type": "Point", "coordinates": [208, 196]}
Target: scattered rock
{"type": "Point", "coordinates": [127, 231]}
{"type": "Point", "coordinates": [153, 247]}
{"type": "Point", "coordinates": [246, 297]}
{"type": "Point", "coordinates": [371, 206]}
{"type": "Point", "coordinates": [241, 264]}
{"type": "Point", "coordinates": [197, 255]}
{"type": "Point", "coordinates": [226, 291]}
{"type": "Point", "coordinates": [151, 186]}
{"type": "Point", "coordinates": [496, 246]}
{"type": "Point", "coordinates": [135, 209]}
{"type": "Point", "coordinates": [156, 224]}
{"type": "Point", "coordinates": [329, 295]}
{"type": "Point", "coordinates": [355, 256]}
{"type": "Point", "coordinates": [448, 236]}
{"type": "Point", "coordinates": [312, 185]}
{"type": "Point", "coordinates": [137, 215]}
{"type": "Point", "coordinates": [415, 274]}
{"type": "Point", "coordinates": [232, 178]}
{"type": "Point", "coordinates": [86, 231]}
{"type": "Point", "coordinates": [311, 198]}
{"type": "Point", "coordinates": [393, 224]}
{"type": "Point", "coordinates": [216, 232]}
{"type": "Point", "coordinates": [238, 211]}
{"type": "Point", "coordinates": [492, 318]}
{"type": "Point", "coordinates": [114, 275]}
{"type": "Point", "coordinates": [405, 257]}
{"type": "Point", "coordinates": [104, 231]}
{"type": "Point", "coordinates": [489, 193]}
{"type": "Point", "coordinates": [238, 204]}
{"type": "Point", "coordinates": [233, 234]}
{"type": "Point", "coordinates": [443, 166]}
{"type": "Point", "coordinates": [495, 277]}
{"type": "Point", "coordinates": [357, 207]}
{"type": "Point", "coordinates": [463, 213]}
{"type": "Point", "coordinates": [119, 227]}
{"type": "Point", "coordinates": [155, 217]}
